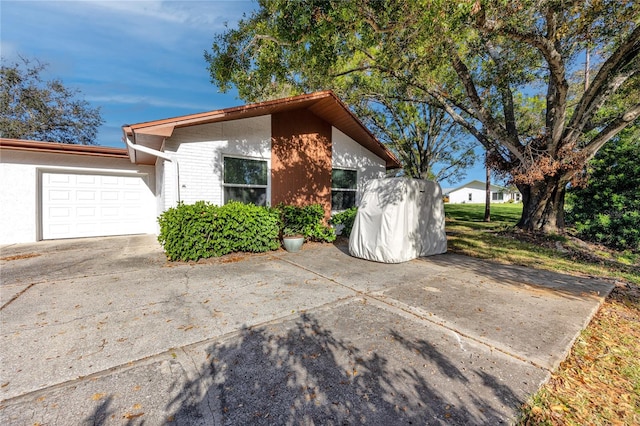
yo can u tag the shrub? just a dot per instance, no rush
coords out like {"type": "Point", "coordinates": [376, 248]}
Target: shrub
{"type": "Point", "coordinates": [307, 221]}
{"type": "Point", "coordinates": [202, 230]}
{"type": "Point", "coordinates": [607, 209]}
{"type": "Point", "coordinates": [346, 219]}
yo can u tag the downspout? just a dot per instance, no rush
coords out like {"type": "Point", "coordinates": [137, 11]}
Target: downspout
{"type": "Point", "coordinates": [158, 154]}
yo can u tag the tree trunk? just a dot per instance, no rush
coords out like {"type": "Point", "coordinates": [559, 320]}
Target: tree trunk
{"type": "Point", "coordinates": [487, 198]}
{"type": "Point", "coordinates": [543, 205]}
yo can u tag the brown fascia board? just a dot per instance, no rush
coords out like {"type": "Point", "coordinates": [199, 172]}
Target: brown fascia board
{"type": "Point", "coordinates": [355, 129]}
{"type": "Point", "coordinates": [373, 145]}
{"type": "Point", "coordinates": [227, 114]}
{"type": "Point", "coordinates": [62, 148]}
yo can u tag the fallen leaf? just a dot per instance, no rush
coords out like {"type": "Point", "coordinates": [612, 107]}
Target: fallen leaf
{"type": "Point", "coordinates": [19, 256]}
{"type": "Point", "coordinates": [130, 416]}
{"type": "Point", "coordinates": [97, 396]}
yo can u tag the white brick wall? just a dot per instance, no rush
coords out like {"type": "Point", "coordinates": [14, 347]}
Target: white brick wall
{"type": "Point", "coordinates": [200, 149]}
{"type": "Point", "coordinates": [348, 154]}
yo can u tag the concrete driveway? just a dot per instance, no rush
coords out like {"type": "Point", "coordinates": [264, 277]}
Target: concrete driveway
{"type": "Point", "coordinates": [106, 331]}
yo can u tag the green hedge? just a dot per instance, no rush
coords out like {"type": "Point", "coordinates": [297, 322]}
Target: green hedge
{"type": "Point", "coordinates": [307, 221]}
{"type": "Point", "coordinates": [345, 218]}
{"type": "Point", "coordinates": [202, 230]}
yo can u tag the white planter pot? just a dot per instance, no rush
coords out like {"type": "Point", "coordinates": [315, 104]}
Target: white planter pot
{"type": "Point", "coordinates": [292, 244]}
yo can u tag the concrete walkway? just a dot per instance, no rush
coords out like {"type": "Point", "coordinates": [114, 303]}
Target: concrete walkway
{"type": "Point", "coordinates": [105, 331]}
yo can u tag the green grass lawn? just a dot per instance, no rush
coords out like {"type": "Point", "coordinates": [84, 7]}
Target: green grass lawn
{"type": "Point", "coordinates": [501, 214]}
{"type": "Point", "coordinates": [500, 241]}
{"type": "Point", "coordinates": [599, 382]}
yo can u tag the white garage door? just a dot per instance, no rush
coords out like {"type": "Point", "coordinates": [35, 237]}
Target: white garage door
{"type": "Point", "coordinates": [91, 205]}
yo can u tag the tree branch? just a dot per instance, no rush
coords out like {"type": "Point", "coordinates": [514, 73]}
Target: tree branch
{"type": "Point", "coordinates": [505, 92]}
{"type": "Point", "coordinates": [558, 85]}
{"type": "Point", "coordinates": [612, 129]}
{"type": "Point", "coordinates": [494, 129]}
{"type": "Point", "coordinates": [610, 77]}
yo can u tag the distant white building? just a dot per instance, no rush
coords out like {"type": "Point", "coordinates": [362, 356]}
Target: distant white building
{"type": "Point", "coordinates": [474, 192]}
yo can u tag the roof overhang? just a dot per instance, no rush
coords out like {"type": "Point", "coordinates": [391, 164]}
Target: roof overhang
{"type": "Point", "coordinates": [62, 148]}
{"type": "Point", "coordinates": [325, 105]}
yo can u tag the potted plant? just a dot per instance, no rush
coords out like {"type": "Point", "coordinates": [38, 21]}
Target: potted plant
{"type": "Point", "coordinates": [292, 239]}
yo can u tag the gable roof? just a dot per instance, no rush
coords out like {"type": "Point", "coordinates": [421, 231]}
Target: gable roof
{"type": "Point", "coordinates": [325, 105]}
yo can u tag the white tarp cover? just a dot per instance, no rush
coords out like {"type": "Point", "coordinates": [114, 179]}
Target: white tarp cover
{"type": "Point", "coordinates": [399, 219]}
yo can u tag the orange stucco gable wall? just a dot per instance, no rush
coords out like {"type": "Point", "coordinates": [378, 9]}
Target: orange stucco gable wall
{"type": "Point", "coordinates": [300, 159]}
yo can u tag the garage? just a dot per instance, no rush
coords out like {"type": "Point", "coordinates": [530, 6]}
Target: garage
{"type": "Point", "coordinates": [51, 190]}
{"type": "Point", "coordinates": [89, 205]}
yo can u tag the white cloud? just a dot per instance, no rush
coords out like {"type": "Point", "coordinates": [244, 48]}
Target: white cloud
{"type": "Point", "coordinates": [147, 100]}
{"type": "Point", "coordinates": [155, 11]}
{"type": "Point", "coordinates": [8, 50]}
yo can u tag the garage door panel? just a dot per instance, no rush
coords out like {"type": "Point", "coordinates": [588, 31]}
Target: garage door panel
{"type": "Point", "coordinates": [87, 205]}
{"type": "Point", "coordinates": [58, 195]}
{"type": "Point", "coordinates": [85, 195]}
{"type": "Point", "coordinates": [132, 196]}
{"type": "Point", "coordinates": [82, 212]}
{"type": "Point", "coordinates": [111, 180]}
{"type": "Point", "coordinates": [109, 195]}
{"type": "Point", "coordinates": [58, 178]}
{"type": "Point", "coordinates": [82, 180]}
{"type": "Point", "coordinates": [60, 212]}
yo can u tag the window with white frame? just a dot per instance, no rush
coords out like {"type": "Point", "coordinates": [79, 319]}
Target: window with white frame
{"type": "Point", "coordinates": [497, 196]}
{"type": "Point", "coordinates": [470, 196]}
{"type": "Point", "coordinates": [245, 180]}
{"type": "Point", "coordinates": [344, 184]}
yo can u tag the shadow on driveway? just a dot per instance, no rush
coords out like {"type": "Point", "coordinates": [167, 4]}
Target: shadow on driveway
{"type": "Point", "coordinates": [308, 375]}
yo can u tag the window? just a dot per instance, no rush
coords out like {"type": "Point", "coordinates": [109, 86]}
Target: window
{"type": "Point", "coordinates": [343, 189]}
{"type": "Point", "coordinates": [497, 196]}
{"type": "Point", "coordinates": [470, 196]}
{"type": "Point", "coordinates": [245, 181]}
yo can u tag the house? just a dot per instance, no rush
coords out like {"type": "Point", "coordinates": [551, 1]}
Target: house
{"type": "Point", "coordinates": [475, 192]}
{"type": "Point", "coordinates": [298, 150]}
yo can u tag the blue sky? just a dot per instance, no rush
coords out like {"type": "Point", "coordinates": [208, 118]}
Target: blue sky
{"type": "Point", "coordinates": [137, 60]}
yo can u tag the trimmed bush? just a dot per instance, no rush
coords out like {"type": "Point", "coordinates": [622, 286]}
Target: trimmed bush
{"type": "Point", "coordinates": [307, 221]}
{"type": "Point", "coordinates": [202, 230]}
{"type": "Point", "coordinates": [346, 219]}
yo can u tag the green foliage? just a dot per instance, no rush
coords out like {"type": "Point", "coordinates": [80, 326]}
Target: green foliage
{"type": "Point", "coordinates": [607, 209]}
{"type": "Point", "coordinates": [345, 218]}
{"type": "Point", "coordinates": [504, 72]}
{"type": "Point", "coordinates": [306, 221]}
{"type": "Point", "coordinates": [31, 108]}
{"type": "Point", "coordinates": [202, 230]}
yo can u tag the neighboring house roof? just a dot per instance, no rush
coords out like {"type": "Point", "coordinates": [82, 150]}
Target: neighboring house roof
{"type": "Point", "coordinates": [63, 148]}
{"type": "Point", "coordinates": [325, 105]}
{"type": "Point", "coordinates": [475, 184]}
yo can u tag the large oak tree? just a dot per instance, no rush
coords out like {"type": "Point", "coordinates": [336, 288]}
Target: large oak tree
{"type": "Point", "coordinates": [505, 72]}
{"type": "Point", "coordinates": [43, 110]}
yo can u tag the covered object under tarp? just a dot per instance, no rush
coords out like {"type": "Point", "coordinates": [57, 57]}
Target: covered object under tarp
{"type": "Point", "coordinates": [399, 219]}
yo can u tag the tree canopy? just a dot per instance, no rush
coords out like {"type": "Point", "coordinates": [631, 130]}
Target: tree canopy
{"type": "Point", "coordinates": [512, 74]}
{"type": "Point", "coordinates": [31, 108]}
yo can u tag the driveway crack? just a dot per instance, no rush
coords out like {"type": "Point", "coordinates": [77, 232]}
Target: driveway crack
{"type": "Point", "coordinates": [15, 297]}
